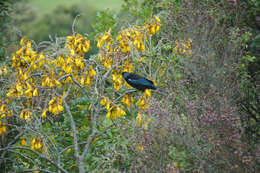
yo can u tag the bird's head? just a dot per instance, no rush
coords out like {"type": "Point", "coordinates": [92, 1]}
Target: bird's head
{"type": "Point", "coordinates": [125, 74]}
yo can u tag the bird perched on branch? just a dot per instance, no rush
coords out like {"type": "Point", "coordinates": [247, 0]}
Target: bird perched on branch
{"type": "Point", "coordinates": [138, 82]}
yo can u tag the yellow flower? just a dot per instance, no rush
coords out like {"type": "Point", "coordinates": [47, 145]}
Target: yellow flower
{"type": "Point", "coordinates": [92, 72]}
{"type": "Point", "coordinates": [68, 150]}
{"type": "Point", "coordinates": [153, 25]}
{"type": "Point", "coordinates": [103, 101]}
{"type": "Point", "coordinates": [55, 105]}
{"type": "Point", "coordinates": [123, 38]}
{"type": "Point", "coordinates": [29, 91]}
{"type": "Point", "coordinates": [58, 84]}
{"type": "Point", "coordinates": [37, 144]}
{"type": "Point", "coordinates": [106, 40]}
{"type": "Point", "coordinates": [68, 80]}
{"type": "Point", "coordinates": [44, 114]}
{"type": "Point", "coordinates": [107, 62]}
{"type": "Point", "coordinates": [78, 44]}
{"type": "Point", "coordinates": [147, 93]}
{"type": "Point", "coordinates": [117, 79]}
{"type": "Point", "coordinates": [61, 61]}
{"type": "Point", "coordinates": [88, 81]}
{"type": "Point", "coordinates": [139, 119]}
{"type": "Point", "coordinates": [157, 19]}
{"type": "Point", "coordinates": [3, 108]}
{"type": "Point", "coordinates": [45, 80]}
{"type": "Point", "coordinates": [127, 66]}
{"type": "Point", "coordinates": [142, 103]}
{"type": "Point", "coordinates": [23, 141]}
{"type": "Point", "coordinates": [79, 62]}
{"type": "Point", "coordinates": [25, 114]}
{"type": "Point", "coordinates": [82, 81]}
{"type": "Point", "coordinates": [19, 88]}
{"type": "Point", "coordinates": [115, 111]}
{"type": "Point", "coordinates": [2, 128]}
{"type": "Point", "coordinates": [140, 147]}
{"type": "Point", "coordinates": [12, 93]}
{"type": "Point", "coordinates": [10, 113]}
{"type": "Point", "coordinates": [127, 100]}
{"type": "Point", "coordinates": [3, 70]}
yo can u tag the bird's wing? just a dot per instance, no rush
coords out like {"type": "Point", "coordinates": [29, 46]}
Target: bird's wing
{"type": "Point", "coordinates": [141, 81]}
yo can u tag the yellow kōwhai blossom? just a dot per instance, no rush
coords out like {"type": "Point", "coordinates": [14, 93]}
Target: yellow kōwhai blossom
{"type": "Point", "coordinates": [30, 91]}
{"type": "Point", "coordinates": [50, 80]}
{"type": "Point", "coordinates": [106, 40]}
{"type": "Point", "coordinates": [44, 113]}
{"type": "Point", "coordinates": [142, 103]}
{"type": "Point", "coordinates": [78, 43]}
{"type": "Point", "coordinates": [140, 147]}
{"type": "Point", "coordinates": [152, 26]}
{"type": "Point", "coordinates": [147, 93]}
{"type": "Point", "coordinates": [123, 39]}
{"type": "Point", "coordinates": [127, 67]}
{"type": "Point", "coordinates": [127, 100]}
{"type": "Point", "coordinates": [3, 110]}
{"type": "Point", "coordinates": [79, 62]}
{"type": "Point", "coordinates": [104, 101]}
{"type": "Point", "coordinates": [117, 79]}
{"type": "Point", "coordinates": [2, 128]}
{"type": "Point", "coordinates": [115, 111]}
{"type": "Point", "coordinates": [89, 75]}
{"type": "Point", "coordinates": [25, 114]}
{"type": "Point", "coordinates": [55, 105]}
{"type": "Point", "coordinates": [37, 144]}
{"type": "Point", "coordinates": [144, 99]}
{"type": "Point", "coordinates": [137, 37]}
{"type": "Point", "coordinates": [3, 70]}
{"type": "Point", "coordinates": [23, 141]}
{"type": "Point", "coordinates": [131, 37]}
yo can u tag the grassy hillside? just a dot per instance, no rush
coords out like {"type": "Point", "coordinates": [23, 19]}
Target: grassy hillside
{"type": "Point", "coordinates": [44, 6]}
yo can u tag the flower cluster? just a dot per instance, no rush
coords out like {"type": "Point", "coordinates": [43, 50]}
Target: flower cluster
{"type": "Point", "coordinates": [88, 76]}
{"type": "Point", "coordinates": [183, 47]}
{"type": "Point", "coordinates": [5, 111]}
{"type": "Point", "coordinates": [3, 70]}
{"type": "Point", "coordinates": [113, 110]}
{"type": "Point", "coordinates": [37, 144]}
{"type": "Point", "coordinates": [37, 73]}
{"type": "Point", "coordinates": [144, 99]}
{"type": "Point", "coordinates": [25, 114]}
{"type": "Point", "coordinates": [152, 26]}
{"type": "Point", "coordinates": [78, 43]}
{"type": "Point", "coordinates": [117, 79]}
{"type": "Point", "coordinates": [128, 100]}
{"type": "Point", "coordinates": [112, 55]}
{"type": "Point", "coordinates": [55, 106]}
{"type": "Point", "coordinates": [106, 41]}
{"type": "Point", "coordinates": [50, 80]}
{"type": "Point", "coordinates": [22, 141]}
{"type": "Point", "coordinates": [2, 128]}
{"type": "Point", "coordinates": [131, 37]}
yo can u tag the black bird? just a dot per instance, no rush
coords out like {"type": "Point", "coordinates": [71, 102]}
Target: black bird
{"type": "Point", "coordinates": [138, 82]}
